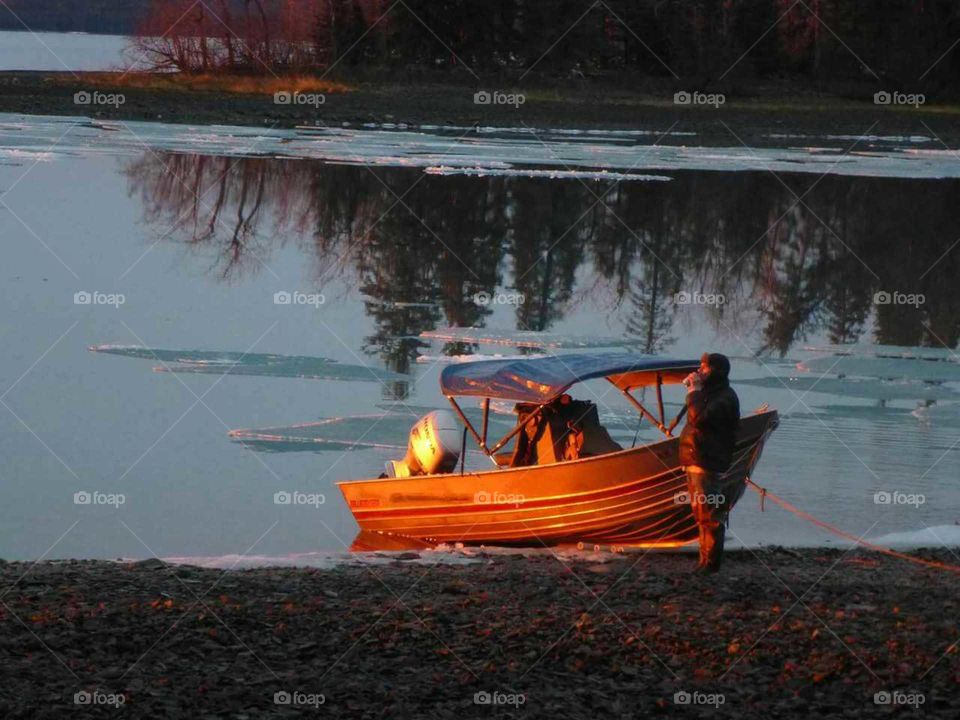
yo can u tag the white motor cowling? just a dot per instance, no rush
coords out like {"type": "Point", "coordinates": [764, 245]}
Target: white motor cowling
{"type": "Point", "coordinates": [433, 447]}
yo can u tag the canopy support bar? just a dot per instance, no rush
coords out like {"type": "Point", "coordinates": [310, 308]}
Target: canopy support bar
{"type": "Point", "coordinates": [481, 439]}
{"type": "Point", "coordinates": [516, 431]}
{"type": "Point", "coordinates": [646, 413]}
{"type": "Point", "coordinates": [469, 426]}
{"type": "Point", "coordinates": [663, 418]}
{"type": "Point", "coordinates": [486, 420]}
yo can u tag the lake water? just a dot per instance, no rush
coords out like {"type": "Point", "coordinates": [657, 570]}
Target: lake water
{"type": "Point", "coordinates": [63, 51]}
{"type": "Point", "coordinates": [177, 239]}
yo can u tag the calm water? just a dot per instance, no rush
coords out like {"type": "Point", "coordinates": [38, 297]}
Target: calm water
{"type": "Point", "coordinates": [62, 51]}
{"type": "Point", "coordinates": [384, 246]}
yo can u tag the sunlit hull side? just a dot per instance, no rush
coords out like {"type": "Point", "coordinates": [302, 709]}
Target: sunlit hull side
{"type": "Point", "coordinates": [627, 497]}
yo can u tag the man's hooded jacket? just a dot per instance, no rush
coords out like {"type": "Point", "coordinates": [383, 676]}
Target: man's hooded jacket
{"type": "Point", "coordinates": [713, 415]}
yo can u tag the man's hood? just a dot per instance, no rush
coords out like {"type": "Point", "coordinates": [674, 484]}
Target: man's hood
{"type": "Point", "coordinates": [719, 368]}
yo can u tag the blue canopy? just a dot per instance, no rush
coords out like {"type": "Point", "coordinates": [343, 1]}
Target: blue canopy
{"type": "Point", "coordinates": [540, 380]}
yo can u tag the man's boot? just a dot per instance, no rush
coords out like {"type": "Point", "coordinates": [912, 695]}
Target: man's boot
{"type": "Point", "coordinates": [708, 547]}
{"type": "Point", "coordinates": [715, 550]}
{"type": "Point", "coordinates": [704, 543]}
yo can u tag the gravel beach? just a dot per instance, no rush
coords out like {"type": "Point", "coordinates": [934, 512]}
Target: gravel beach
{"type": "Point", "coordinates": [779, 633]}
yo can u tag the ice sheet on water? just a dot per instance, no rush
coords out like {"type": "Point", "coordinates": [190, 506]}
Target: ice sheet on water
{"type": "Point", "coordinates": [883, 367]}
{"type": "Point", "coordinates": [846, 387]}
{"type": "Point", "coordinates": [503, 148]}
{"type": "Point", "coordinates": [931, 537]}
{"type": "Point", "coordinates": [905, 352]}
{"type": "Point", "coordinates": [358, 432]}
{"type": "Point", "coordinates": [387, 430]}
{"type": "Point", "coordinates": [554, 174]}
{"type": "Point", "coordinates": [526, 338]}
{"type": "Point", "coordinates": [237, 363]}
{"type": "Point", "coordinates": [898, 139]}
{"type": "Point", "coordinates": [473, 357]}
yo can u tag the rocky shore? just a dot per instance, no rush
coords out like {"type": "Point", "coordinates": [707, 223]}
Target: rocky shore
{"type": "Point", "coordinates": [779, 633]}
{"type": "Point", "coordinates": [771, 117]}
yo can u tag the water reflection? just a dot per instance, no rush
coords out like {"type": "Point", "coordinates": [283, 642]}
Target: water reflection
{"type": "Point", "coordinates": [800, 253]}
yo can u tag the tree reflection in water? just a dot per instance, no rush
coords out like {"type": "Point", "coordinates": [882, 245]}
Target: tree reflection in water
{"type": "Point", "coordinates": [797, 253]}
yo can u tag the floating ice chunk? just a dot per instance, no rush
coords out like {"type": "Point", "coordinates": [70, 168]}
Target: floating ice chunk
{"type": "Point", "coordinates": [388, 430]}
{"type": "Point", "coordinates": [357, 432]}
{"type": "Point", "coordinates": [238, 363]}
{"type": "Point", "coordinates": [565, 151]}
{"type": "Point", "coordinates": [526, 338]}
{"type": "Point", "coordinates": [883, 367]}
{"type": "Point", "coordinates": [846, 387]}
{"type": "Point", "coordinates": [474, 357]}
{"type": "Point", "coordinates": [551, 174]}
{"type": "Point", "coordinates": [905, 352]}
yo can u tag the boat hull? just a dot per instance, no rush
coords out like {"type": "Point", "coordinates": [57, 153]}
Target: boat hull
{"type": "Point", "coordinates": [634, 496]}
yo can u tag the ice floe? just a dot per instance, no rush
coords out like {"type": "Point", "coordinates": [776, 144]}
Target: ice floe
{"type": "Point", "coordinates": [557, 153]}
{"type": "Point", "coordinates": [238, 363]}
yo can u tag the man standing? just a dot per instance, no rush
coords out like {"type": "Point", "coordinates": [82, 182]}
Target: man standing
{"type": "Point", "coordinates": [706, 451]}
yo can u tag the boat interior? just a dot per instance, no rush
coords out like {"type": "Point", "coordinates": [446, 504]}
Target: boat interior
{"type": "Point", "coordinates": [565, 429]}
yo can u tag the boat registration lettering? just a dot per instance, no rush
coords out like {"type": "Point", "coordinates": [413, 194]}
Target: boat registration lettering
{"type": "Point", "coordinates": [365, 503]}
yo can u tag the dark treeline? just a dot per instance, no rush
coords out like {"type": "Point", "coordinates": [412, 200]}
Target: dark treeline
{"type": "Point", "coordinates": [117, 17]}
{"type": "Point", "coordinates": [902, 45]}
{"type": "Point", "coordinates": [786, 269]}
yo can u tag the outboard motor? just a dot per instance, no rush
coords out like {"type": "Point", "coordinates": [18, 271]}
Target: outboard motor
{"type": "Point", "coordinates": [433, 447]}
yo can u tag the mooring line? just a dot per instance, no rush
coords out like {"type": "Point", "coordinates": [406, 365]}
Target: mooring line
{"type": "Point", "coordinates": [764, 493]}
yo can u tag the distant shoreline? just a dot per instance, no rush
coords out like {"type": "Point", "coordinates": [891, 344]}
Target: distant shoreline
{"type": "Point", "coordinates": [796, 121]}
{"type": "Point", "coordinates": [779, 633]}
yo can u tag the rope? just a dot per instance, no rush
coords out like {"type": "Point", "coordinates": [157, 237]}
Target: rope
{"type": "Point", "coordinates": [764, 493]}
{"type": "Point", "coordinates": [755, 448]}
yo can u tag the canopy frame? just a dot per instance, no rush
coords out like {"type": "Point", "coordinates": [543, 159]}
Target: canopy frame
{"type": "Point", "coordinates": [661, 423]}
{"type": "Point", "coordinates": [481, 436]}
{"type": "Point", "coordinates": [541, 380]}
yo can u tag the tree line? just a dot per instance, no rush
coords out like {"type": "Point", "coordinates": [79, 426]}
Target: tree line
{"type": "Point", "coordinates": [897, 44]}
